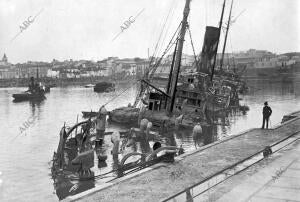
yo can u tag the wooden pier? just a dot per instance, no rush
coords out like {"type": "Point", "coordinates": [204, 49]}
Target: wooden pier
{"type": "Point", "coordinates": [163, 180]}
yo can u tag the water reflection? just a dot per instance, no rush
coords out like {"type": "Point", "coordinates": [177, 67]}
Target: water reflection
{"type": "Point", "coordinates": [36, 107]}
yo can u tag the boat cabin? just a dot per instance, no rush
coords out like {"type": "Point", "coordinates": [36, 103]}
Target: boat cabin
{"type": "Point", "coordinates": [155, 101]}
{"type": "Point", "coordinates": [157, 98]}
{"type": "Point", "coordinates": [190, 92]}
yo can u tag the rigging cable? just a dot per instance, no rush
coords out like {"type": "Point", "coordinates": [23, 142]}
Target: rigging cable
{"type": "Point", "coordinates": [121, 93]}
{"type": "Point", "coordinates": [234, 63]}
{"type": "Point", "coordinates": [190, 34]}
{"type": "Point", "coordinates": [169, 25]}
{"type": "Point", "coordinates": [151, 71]}
{"type": "Point", "coordinates": [159, 38]}
{"type": "Point", "coordinates": [166, 50]}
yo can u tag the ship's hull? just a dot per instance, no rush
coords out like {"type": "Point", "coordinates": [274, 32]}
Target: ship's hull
{"type": "Point", "coordinates": [104, 87]}
{"type": "Point", "coordinates": [124, 115]}
{"type": "Point", "coordinates": [160, 118]}
{"type": "Point", "coordinates": [89, 114]}
{"type": "Point", "coordinates": [27, 96]}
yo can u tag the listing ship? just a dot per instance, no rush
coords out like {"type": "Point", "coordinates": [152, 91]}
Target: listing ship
{"type": "Point", "coordinates": [189, 98]}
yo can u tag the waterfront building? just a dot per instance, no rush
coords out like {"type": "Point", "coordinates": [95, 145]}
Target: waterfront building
{"type": "Point", "coordinates": [187, 60]}
{"type": "Point", "coordinates": [296, 58]}
{"type": "Point", "coordinates": [253, 59]}
{"type": "Point", "coordinates": [141, 68]}
{"type": "Point", "coordinates": [125, 66]}
{"type": "Point", "coordinates": [251, 56]}
{"type": "Point", "coordinates": [30, 69]}
{"type": "Point", "coordinates": [163, 70]}
{"type": "Point", "coordinates": [115, 67]}
{"type": "Point", "coordinates": [7, 70]}
{"type": "Point", "coordinates": [8, 73]}
{"type": "Point", "coordinates": [52, 74]}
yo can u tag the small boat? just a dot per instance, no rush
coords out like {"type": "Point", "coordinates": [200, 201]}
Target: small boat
{"type": "Point", "coordinates": [90, 114]}
{"type": "Point", "coordinates": [35, 91]}
{"type": "Point", "coordinates": [24, 96]}
{"type": "Point", "coordinates": [104, 87]}
{"type": "Point", "coordinates": [89, 86]}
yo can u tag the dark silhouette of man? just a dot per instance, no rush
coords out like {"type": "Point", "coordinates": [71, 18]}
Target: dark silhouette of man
{"type": "Point", "coordinates": [267, 111]}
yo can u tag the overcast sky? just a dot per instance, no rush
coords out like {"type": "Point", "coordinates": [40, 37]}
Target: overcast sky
{"type": "Point", "coordinates": [84, 29]}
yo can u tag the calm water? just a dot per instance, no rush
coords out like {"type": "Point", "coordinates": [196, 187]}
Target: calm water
{"type": "Point", "coordinates": [25, 158]}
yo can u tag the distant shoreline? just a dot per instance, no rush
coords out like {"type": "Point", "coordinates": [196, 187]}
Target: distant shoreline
{"type": "Point", "coordinates": [62, 82]}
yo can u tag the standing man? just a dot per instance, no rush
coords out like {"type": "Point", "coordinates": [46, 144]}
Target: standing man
{"type": "Point", "coordinates": [197, 134]}
{"type": "Point", "coordinates": [100, 123]}
{"type": "Point", "coordinates": [267, 111]}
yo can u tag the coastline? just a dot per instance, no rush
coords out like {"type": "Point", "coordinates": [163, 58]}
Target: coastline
{"type": "Point", "coordinates": [63, 82]}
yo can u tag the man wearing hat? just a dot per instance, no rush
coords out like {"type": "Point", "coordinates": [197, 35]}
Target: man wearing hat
{"type": "Point", "coordinates": [267, 111]}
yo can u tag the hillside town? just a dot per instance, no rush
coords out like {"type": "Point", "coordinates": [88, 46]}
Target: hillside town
{"type": "Point", "coordinates": [122, 68]}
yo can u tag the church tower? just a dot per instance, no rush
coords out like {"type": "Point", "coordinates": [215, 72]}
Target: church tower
{"type": "Point", "coordinates": [4, 58]}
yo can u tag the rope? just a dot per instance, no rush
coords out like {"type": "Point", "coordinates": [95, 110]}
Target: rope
{"type": "Point", "coordinates": [168, 27]}
{"type": "Point", "coordinates": [190, 34]}
{"type": "Point", "coordinates": [230, 41]}
{"type": "Point", "coordinates": [121, 93]}
{"type": "Point", "coordinates": [94, 177]}
{"type": "Point", "coordinates": [206, 12]}
{"type": "Point", "coordinates": [169, 46]}
{"type": "Point", "coordinates": [159, 38]}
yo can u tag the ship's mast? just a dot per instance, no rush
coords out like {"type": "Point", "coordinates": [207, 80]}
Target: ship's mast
{"type": "Point", "coordinates": [220, 27]}
{"type": "Point", "coordinates": [178, 56]}
{"type": "Point", "coordinates": [37, 74]}
{"type": "Point", "coordinates": [171, 70]}
{"type": "Point", "coordinates": [225, 41]}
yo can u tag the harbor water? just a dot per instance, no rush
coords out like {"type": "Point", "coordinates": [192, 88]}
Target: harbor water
{"type": "Point", "coordinates": [30, 131]}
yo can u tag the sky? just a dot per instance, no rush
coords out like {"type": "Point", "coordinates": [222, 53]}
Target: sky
{"type": "Point", "coordinates": [85, 29]}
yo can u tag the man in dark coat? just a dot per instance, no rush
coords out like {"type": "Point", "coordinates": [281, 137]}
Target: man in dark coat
{"type": "Point", "coordinates": [267, 111]}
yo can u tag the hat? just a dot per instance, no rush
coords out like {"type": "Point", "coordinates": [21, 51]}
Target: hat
{"type": "Point", "coordinates": [102, 110]}
{"type": "Point", "coordinates": [266, 103]}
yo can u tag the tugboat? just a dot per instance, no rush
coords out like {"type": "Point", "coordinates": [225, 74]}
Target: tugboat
{"type": "Point", "coordinates": [35, 92]}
